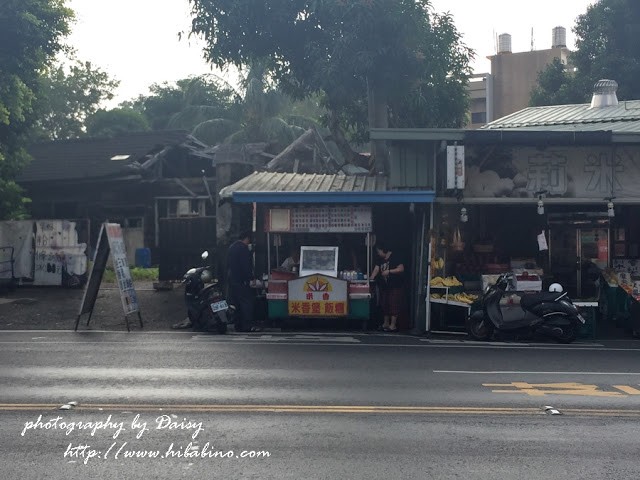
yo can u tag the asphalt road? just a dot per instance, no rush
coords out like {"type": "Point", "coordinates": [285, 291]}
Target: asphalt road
{"type": "Point", "coordinates": [322, 406]}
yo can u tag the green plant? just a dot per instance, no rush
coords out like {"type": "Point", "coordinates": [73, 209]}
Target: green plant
{"type": "Point", "coordinates": [137, 274]}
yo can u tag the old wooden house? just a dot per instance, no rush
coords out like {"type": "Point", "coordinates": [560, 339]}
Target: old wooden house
{"type": "Point", "coordinates": [160, 186]}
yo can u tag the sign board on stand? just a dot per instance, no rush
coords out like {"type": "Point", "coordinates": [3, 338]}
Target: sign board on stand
{"type": "Point", "coordinates": [110, 240]}
{"type": "Point", "coordinates": [318, 296]}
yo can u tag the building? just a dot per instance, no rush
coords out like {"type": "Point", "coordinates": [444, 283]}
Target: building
{"type": "Point", "coordinates": [552, 189]}
{"type": "Point", "coordinates": [507, 88]}
{"type": "Point", "coordinates": [159, 186]}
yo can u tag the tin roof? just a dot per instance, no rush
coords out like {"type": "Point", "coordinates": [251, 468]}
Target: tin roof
{"type": "Point", "coordinates": [305, 182]}
{"type": "Point", "coordinates": [624, 117]}
{"type": "Point", "coordinates": [270, 187]}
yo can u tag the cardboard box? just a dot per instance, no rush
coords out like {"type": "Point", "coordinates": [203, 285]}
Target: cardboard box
{"type": "Point", "coordinates": [530, 283]}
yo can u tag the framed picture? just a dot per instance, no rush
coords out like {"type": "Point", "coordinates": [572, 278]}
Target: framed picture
{"type": "Point", "coordinates": [620, 250]}
{"type": "Point", "coordinates": [620, 235]}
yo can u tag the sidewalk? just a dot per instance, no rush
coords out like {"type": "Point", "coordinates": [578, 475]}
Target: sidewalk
{"type": "Point", "coordinates": [56, 308]}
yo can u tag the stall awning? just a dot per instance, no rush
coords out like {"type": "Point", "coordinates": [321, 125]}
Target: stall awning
{"type": "Point", "coordinates": [270, 187]}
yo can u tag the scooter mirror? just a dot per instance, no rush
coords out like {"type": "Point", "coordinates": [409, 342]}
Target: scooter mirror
{"type": "Point", "coordinates": [555, 287]}
{"type": "Point", "coordinates": [205, 255]}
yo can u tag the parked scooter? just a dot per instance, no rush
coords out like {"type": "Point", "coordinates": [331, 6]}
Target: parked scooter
{"type": "Point", "coordinates": [206, 306]}
{"type": "Point", "coordinates": [549, 313]}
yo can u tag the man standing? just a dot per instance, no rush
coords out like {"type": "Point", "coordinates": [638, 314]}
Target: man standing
{"type": "Point", "coordinates": [240, 268]}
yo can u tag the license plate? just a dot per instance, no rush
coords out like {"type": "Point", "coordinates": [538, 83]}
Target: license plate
{"type": "Point", "coordinates": [219, 306]}
{"type": "Point", "coordinates": [581, 318]}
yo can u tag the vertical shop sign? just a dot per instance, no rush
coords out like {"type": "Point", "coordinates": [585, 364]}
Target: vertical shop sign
{"type": "Point", "coordinates": [455, 167]}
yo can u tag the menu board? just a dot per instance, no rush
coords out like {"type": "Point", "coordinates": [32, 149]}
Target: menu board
{"type": "Point", "coordinates": [333, 219]}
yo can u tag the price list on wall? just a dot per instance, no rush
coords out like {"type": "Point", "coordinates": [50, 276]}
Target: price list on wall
{"type": "Point", "coordinates": [343, 219]}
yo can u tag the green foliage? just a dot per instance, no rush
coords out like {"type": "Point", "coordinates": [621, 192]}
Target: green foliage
{"type": "Point", "coordinates": [410, 55]}
{"type": "Point", "coordinates": [137, 275]}
{"type": "Point", "coordinates": [555, 86]}
{"type": "Point", "coordinates": [118, 121]}
{"type": "Point", "coordinates": [606, 47]}
{"type": "Point", "coordinates": [183, 104]}
{"type": "Point", "coordinates": [70, 92]}
{"type": "Point", "coordinates": [30, 36]}
{"type": "Point", "coordinates": [215, 131]}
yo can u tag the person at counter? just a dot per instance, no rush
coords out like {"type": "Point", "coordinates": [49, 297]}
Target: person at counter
{"type": "Point", "coordinates": [292, 262]}
{"type": "Point", "coordinates": [240, 267]}
{"type": "Point", "coordinates": [389, 270]}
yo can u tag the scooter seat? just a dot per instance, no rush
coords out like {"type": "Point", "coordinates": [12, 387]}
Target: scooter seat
{"type": "Point", "coordinates": [530, 300]}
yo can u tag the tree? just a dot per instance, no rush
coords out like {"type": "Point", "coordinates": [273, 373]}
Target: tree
{"type": "Point", "coordinates": [110, 123]}
{"type": "Point", "coordinates": [556, 86]}
{"type": "Point", "coordinates": [215, 112]}
{"type": "Point", "coordinates": [30, 36]}
{"type": "Point", "coordinates": [167, 100]}
{"type": "Point", "coordinates": [606, 47]}
{"type": "Point", "coordinates": [71, 91]}
{"type": "Point", "coordinates": [362, 55]}
{"type": "Point", "coordinates": [258, 116]}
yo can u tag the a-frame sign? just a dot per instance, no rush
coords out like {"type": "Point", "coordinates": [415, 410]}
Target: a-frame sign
{"type": "Point", "coordinates": [111, 241]}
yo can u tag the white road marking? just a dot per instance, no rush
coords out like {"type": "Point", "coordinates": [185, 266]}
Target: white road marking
{"type": "Point", "coordinates": [500, 344]}
{"type": "Point", "coordinates": [523, 372]}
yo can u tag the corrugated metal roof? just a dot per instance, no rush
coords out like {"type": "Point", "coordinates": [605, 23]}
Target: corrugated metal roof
{"type": "Point", "coordinates": [616, 127]}
{"type": "Point", "coordinates": [624, 117]}
{"type": "Point", "coordinates": [271, 182]}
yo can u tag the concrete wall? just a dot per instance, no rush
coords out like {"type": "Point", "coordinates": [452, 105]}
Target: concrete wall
{"type": "Point", "coordinates": [515, 75]}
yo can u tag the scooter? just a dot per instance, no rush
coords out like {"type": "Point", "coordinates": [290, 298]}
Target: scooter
{"type": "Point", "coordinates": [503, 310]}
{"type": "Point", "coordinates": [206, 306]}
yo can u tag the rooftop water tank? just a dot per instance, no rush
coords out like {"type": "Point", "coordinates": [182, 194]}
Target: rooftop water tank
{"type": "Point", "coordinates": [504, 43]}
{"type": "Point", "coordinates": [559, 37]}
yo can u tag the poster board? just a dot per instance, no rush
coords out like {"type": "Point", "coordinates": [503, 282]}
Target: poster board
{"type": "Point", "coordinates": [110, 241]}
{"type": "Point", "coordinates": [121, 267]}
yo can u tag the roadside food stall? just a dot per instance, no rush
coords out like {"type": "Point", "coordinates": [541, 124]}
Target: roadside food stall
{"type": "Point", "coordinates": [327, 282]}
{"type": "Point", "coordinates": [329, 210]}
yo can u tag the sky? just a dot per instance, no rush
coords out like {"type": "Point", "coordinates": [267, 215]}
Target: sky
{"type": "Point", "coordinates": [136, 41]}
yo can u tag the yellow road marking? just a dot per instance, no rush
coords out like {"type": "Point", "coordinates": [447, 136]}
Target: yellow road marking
{"type": "Point", "coordinates": [627, 389]}
{"type": "Point", "coordinates": [572, 388]}
{"type": "Point", "coordinates": [320, 409]}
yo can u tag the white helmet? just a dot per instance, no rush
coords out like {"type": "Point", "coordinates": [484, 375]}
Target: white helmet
{"type": "Point", "coordinates": [556, 287]}
{"type": "Point", "coordinates": [206, 275]}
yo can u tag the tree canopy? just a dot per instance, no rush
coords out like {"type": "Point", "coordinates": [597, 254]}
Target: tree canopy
{"type": "Point", "coordinates": [412, 57]}
{"type": "Point", "coordinates": [167, 100]}
{"type": "Point", "coordinates": [606, 47]}
{"type": "Point", "coordinates": [30, 37]}
{"type": "Point", "coordinates": [117, 121]}
{"type": "Point", "coordinates": [71, 90]}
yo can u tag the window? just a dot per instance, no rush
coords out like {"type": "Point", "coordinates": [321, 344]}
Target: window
{"type": "Point", "coordinates": [479, 117]}
{"type": "Point", "coordinates": [185, 207]}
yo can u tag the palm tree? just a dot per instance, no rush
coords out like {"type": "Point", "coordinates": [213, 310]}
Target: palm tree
{"type": "Point", "coordinates": [258, 116]}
